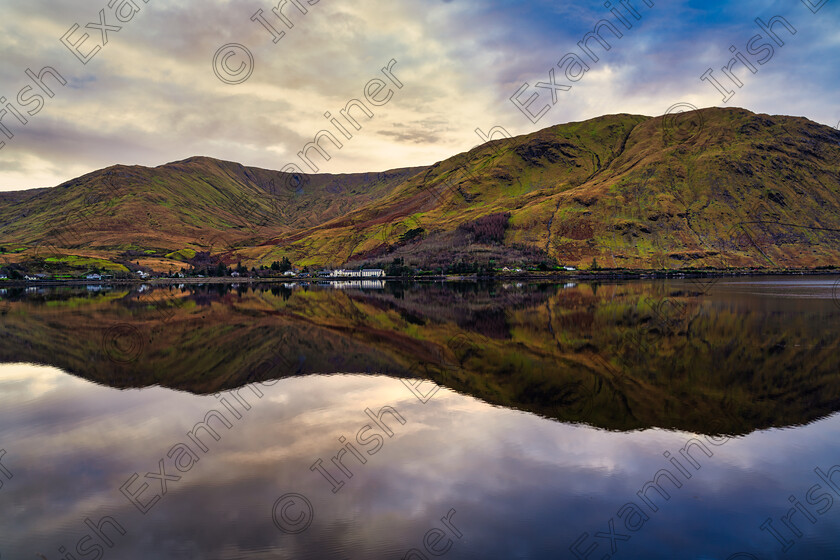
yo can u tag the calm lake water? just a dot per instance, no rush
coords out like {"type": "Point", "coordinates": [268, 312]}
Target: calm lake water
{"type": "Point", "coordinates": [640, 420]}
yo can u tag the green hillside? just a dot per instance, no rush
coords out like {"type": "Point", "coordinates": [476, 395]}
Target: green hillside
{"type": "Point", "coordinates": [727, 188]}
{"type": "Point", "coordinates": [745, 191]}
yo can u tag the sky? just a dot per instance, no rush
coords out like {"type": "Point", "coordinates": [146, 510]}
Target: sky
{"type": "Point", "coordinates": [157, 81]}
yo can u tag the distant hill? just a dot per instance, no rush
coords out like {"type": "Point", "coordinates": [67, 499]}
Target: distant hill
{"type": "Point", "coordinates": [717, 188]}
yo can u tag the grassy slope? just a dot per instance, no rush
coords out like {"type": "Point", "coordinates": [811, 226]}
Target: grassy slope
{"type": "Point", "coordinates": [744, 190]}
{"type": "Point", "coordinates": [199, 203]}
{"type": "Point", "coordinates": [516, 176]}
{"type": "Point", "coordinates": [740, 189]}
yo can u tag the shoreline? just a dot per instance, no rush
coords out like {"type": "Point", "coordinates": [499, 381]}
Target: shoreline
{"type": "Point", "coordinates": [525, 276]}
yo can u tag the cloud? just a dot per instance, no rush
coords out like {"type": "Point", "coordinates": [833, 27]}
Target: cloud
{"type": "Point", "coordinates": [150, 95]}
{"type": "Point", "coordinates": [520, 483]}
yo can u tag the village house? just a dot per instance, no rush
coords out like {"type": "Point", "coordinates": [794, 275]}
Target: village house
{"type": "Point", "coordinates": [364, 273]}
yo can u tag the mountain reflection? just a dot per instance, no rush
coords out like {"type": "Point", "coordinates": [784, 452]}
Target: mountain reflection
{"type": "Point", "coordinates": [725, 357]}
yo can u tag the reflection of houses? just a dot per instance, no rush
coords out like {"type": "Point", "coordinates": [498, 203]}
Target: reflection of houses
{"type": "Point", "coordinates": [364, 273]}
{"type": "Point", "coordinates": [359, 284]}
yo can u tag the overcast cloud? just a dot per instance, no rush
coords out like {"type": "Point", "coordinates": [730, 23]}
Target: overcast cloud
{"type": "Point", "coordinates": [150, 95]}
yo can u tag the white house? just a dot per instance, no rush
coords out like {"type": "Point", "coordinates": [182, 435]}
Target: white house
{"type": "Point", "coordinates": [93, 277]}
{"type": "Point", "coordinates": [289, 273]}
{"type": "Point", "coordinates": [365, 273]}
{"type": "Point", "coordinates": [373, 273]}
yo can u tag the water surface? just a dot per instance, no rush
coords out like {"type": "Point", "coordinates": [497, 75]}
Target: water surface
{"type": "Point", "coordinates": [525, 421]}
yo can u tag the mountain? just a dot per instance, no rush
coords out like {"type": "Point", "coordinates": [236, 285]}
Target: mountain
{"type": "Point", "coordinates": [201, 204]}
{"type": "Point", "coordinates": [717, 188]}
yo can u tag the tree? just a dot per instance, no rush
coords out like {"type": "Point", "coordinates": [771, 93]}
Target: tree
{"type": "Point", "coordinates": [398, 268]}
{"type": "Point", "coordinates": [285, 264]}
{"type": "Point", "coordinates": [487, 229]}
{"type": "Point", "coordinates": [411, 234]}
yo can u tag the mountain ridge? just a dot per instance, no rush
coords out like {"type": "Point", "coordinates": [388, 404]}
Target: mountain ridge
{"type": "Point", "coordinates": [715, 188]}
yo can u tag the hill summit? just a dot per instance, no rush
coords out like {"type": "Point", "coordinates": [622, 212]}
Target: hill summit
{"type": "Point", "coordinates": [717, 188]}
